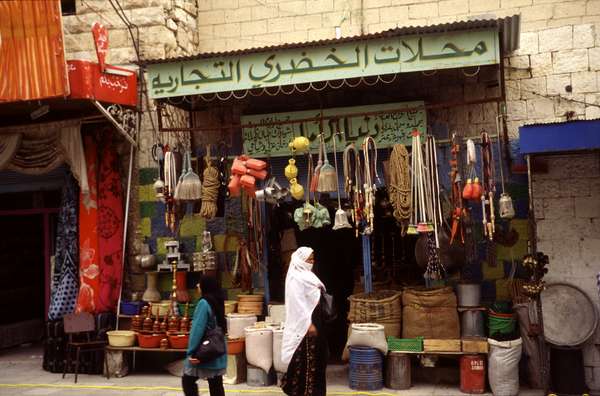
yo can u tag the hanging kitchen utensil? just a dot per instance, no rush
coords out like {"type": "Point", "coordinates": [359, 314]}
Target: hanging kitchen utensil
{"type": "Point", "coordinates": [304, 215]}
{"type": "Point", "coordinates": [341, 218]}
{"type": "Point", "coordinates": [291, 170]}
{"type": "Point", "coordinates": [489, 186]}
{"type": "Point", "coordinates": [505, 204]}
{"type": "Point", "coordinates": [159, 185]}
{"type": "Point", "coordinates": [328, 181]}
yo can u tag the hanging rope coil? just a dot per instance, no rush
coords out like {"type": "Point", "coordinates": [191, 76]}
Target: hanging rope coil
{"type": "Point", "coordinates": [210, 189]}
{"type": "Point", "coordinates": [399, 188]}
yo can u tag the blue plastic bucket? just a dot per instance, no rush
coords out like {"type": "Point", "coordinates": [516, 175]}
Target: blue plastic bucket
{"type": "Point", "coordinates": [366, 368]}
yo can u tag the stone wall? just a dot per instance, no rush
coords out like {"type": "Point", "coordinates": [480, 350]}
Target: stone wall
{"type": "Point", "coordinates": [567, 212]}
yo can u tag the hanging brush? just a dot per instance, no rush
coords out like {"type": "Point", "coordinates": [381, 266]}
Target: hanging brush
{"type": "Point", "coordinates": [190, 187]}
{"type": "Point", "coordinates": [328, 179]}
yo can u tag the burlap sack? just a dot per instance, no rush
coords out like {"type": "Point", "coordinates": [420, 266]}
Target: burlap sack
{"type": "Point", "coordinates": [430, 313]}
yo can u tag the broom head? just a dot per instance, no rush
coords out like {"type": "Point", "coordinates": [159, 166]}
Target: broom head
{"type": "Point", "coordinates": [190, 188]}
{"type": "Point", "coordinates": [328, 180]}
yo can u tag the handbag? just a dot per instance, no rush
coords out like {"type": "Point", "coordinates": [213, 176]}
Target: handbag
{"type": "Point", "coordinates": [213, 343]}
{"type": "Point", "coordinates": [328, 308]}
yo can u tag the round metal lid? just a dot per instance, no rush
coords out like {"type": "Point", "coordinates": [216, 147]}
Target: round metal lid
{"type": "Point", "coordinates": [570, 317]}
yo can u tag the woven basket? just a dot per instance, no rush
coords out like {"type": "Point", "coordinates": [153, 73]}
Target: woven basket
{"type": "Point", "coordinates": [375, 307]}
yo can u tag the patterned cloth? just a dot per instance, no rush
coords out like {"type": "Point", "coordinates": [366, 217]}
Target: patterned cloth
{"type": "Point", "coordinates": [65, 278]}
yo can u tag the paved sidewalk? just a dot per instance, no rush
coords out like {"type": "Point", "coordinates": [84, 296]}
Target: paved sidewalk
{"type": "Point", "coordinates": [21, 373]}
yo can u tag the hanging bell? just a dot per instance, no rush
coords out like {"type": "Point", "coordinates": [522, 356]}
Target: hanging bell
{"type": "Point", "coordinates": [341, 220]}
{"type": "Point", "coordinates": [291, 170]}
{"type": "Point", "coordinates": [477, 190]}
{"type": "Point", "coordinates": [468, 190]}
{"type": "Point", "coordinates": [505, 207]}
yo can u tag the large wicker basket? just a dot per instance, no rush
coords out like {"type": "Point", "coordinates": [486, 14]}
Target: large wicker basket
{"type": "Point", "coordinates": [385, 305]}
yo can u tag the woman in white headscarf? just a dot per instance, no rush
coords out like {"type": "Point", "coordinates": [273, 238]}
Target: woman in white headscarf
{"type": "Point", "coordinates": [304, 345]}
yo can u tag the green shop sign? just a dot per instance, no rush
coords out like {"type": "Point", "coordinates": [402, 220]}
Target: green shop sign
{"type": "Point", "coordinates": [386, 129]}
{"type": "Point", "coordinates": [362, 58]}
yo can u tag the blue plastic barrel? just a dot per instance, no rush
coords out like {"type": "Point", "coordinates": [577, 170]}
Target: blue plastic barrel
{"type": "Point", "coordinates": [366, 368]}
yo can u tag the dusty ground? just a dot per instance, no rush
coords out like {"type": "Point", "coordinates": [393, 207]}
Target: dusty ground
{"type": "Point", "coordinates": [21, 374]}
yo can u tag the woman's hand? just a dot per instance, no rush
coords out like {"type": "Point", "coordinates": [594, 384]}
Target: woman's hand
{"type": "Point", "coordinates": [312, 330]}
{"type": "Point", "coordinates": [194, 360]}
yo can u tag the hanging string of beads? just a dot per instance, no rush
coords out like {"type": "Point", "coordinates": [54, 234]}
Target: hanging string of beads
{"type": "Point", "coordinates": [399, 188]}
{"type": "Point", "coordinates": [370, 173]}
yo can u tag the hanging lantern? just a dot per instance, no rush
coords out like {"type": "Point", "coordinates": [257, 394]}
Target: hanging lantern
{"type": "Point", "coordinates": [505, 207]}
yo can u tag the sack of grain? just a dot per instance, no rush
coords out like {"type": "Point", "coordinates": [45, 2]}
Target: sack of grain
{"type": "Point", "coordinates": [430, 313]}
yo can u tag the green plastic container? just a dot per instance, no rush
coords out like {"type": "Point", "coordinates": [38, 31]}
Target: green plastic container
{"type": "Point", "coordinates": [405, 344]}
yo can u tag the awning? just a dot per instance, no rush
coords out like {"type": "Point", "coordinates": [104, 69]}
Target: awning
{"type": "Point", "coordinates": [559, 137]}
{"type": "Point", "coordinates": [401, 50]}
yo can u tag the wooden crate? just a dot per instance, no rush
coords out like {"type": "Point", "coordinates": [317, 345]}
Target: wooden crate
{"type": "Point", "coordinates": [475, 345]}
{"type": "Point", "coordinates": [435, 345]}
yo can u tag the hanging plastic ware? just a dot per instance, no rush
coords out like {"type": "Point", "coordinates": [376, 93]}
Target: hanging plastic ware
{"type": "Point", "coordinates": [296, 189]}
{"type": "Point", "coordinates": [477, 190]}
{"type": "Point", "coordinates": [505, 207]}
{"type": "Point", "coordinates": [291, 170]}
{"type": "Point", "coordinates": [300, 144]}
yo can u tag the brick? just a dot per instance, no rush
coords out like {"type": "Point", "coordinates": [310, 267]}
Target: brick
{"type": "Point", "coordinates": [381, 27]}
{"type": "Point", "coordinates": [574, 187]}
{"type": "Point", "coordinates": [253, 28]}
{"type": "Point", "coordinates": [307, 22]}
{"type": "Point", "coordinates": [592, 7]}
{"type": "Point", "coordinates": [215, 17]}
{"type": "Point", "coordinates": [570, 61]}
{"type": "Point", "coordinates": [453, 7]}
{"type": "Point", "coordinates": [370, 17]}
{"type": "Point", "coordinates": [530, 85]}
{"type": "Point", "coordinates": [569, 9]}
{"type": "Point", "coordinates": [564, 22]}
{"type": "Point", "coordinates": [225, 4]}
{"type": "Point", "coordinates": [587, 207]}
{"type": "Point", "coordinates": [541, 64]}
{"type": "Point", "coordinates": [239, 15]}
{"type": "Point", "coordinates": [426, 10]}
{"type": "Point", "coordinates": [378, 3]}
{"type": "Point", "coordinates": [264, 12]}
{"type": "Point", "coordinates": [516, 110]}
{"type": "Point", "coordinates": [592, 112]}
{"type": "Point", "coordinates": [294, 37]}
{"type": "Point", "coordinates": [149, 16]}
{"type": "Point", "coordinates": [556, 83]}
{"type": "Point", "coordinates": [336, 18]}
{"type": "Point", "coordinates": [84, 42]}
{"type": "Point", "coordinates": [584, 82]}
{"type": "Point", "coordinates": [319, 6]}
{"type": "Point", "coordinates": [540, 108]}
{"type": "Point", "coordinates": [594, 58]}
{"type": "Point", "coordinates": [204, 5]}
{"type": "Point", "coordinates": [394, 14]}
{"type": "Point", "coordinates": [559, 208]}
{"type": "Point", "coordinates": [576, 106]}
{"type": "Point", "coordinates": [205, 32]}
{"type": "Point", "coordinates": [536, 13]}
{"type": "Point", "coordinates": [512, 90]}
{"type": "Point", "coordinates": [583, 36]}
{"type": "Point", "coordinates": [278, 25]}
{"type": "Point", "coordinates": [321, 34]}
{"type": "Point", "coordinates": [292, 8]}
{"type": "Point", "coordinates": [230, 30]}
{"type": "Point", "coordinates": [528, 44]}
{"type": "Point", "coordinates": [556, 39]}
{"type": "Point", "coordinates": [533, 26]}
{"type": "Point", "coordinates": [483, 5]}
{"type": "Point", "coordinates": [546, 189]}
{"type": "Point", "coordinates": [346, 5]}
{"type": "Point", "coordinates": [515, 3]}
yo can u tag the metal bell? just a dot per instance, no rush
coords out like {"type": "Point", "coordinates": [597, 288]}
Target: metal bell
{"type": "Point", "coordinates": [341, 220]}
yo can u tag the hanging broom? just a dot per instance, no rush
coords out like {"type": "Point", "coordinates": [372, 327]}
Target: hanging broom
{"type": "Point", "coordinates": [190, 187]}
{"type": "Point", "coordinates": [328, 181]}
{"type": "Point", "coordinates": [314, 181]}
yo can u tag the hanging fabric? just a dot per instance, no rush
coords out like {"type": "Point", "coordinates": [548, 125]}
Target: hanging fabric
{"type": "Point", "coordinates": [89, 269]}
{"type": "Point", "coordinates": [110, 225]}
{"type": "Point", "coordinates": [65, 281]}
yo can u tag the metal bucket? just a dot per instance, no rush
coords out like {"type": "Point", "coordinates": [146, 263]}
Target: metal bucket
{"type": "Point", "coordinates": [472, 323]}
{"type": "Point", "coordinates": [259, 377]}
{"type": "Point", "coordinates": [366, 368]}
{"type": "Point", "coordinates": [469, 294]}
{"type": "Point", "coordinates": [398, 371]}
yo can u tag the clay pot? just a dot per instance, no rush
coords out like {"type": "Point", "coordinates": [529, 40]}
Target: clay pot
{"type": "Point", "coordinates": [151, 294]}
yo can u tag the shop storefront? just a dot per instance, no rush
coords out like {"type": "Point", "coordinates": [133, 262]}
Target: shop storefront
{"type": "Point", "coordinates": [313, 143]}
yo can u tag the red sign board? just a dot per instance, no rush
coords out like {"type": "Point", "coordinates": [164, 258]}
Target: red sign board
{"type": "Point", "coordinates": [101, 41]}
{"type": "Point", "coordinates": [114, 85]}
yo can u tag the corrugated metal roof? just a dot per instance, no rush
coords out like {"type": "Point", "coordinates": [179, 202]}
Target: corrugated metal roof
{"type": "Point", "coordinates": [509, 27]}
{"type": "Point", "coordinates": [534, 124]}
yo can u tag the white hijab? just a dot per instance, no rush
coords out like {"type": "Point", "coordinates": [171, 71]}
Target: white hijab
{"type": "Point", "coordinates": [302, 294]}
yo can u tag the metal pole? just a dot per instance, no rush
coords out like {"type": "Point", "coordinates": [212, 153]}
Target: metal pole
{"type": "Point", "coordinates": [368, 280]}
